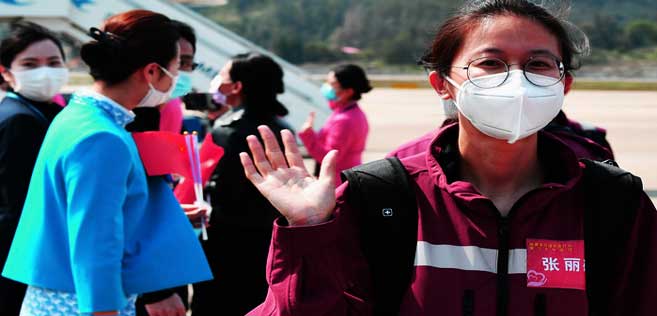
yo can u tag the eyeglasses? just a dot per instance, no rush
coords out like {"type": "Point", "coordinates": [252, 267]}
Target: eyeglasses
{"type": "Point", "coordinates": [185, 64]}
{"type": "Point", "coordinates": [540, 70]}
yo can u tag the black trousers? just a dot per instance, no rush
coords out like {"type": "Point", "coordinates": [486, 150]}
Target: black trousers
{"type": "Point", "coordinates": [238, 259]}
{"type": "Point", "coordinates": [11, 297]}
{"type": "Point", "coordinates": [11, 292]}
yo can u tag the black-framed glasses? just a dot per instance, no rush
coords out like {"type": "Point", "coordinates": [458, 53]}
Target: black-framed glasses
{"type": "Point", "coordinates": [185, 64]}
{"type": "Point", "coordinates": [540, 70]}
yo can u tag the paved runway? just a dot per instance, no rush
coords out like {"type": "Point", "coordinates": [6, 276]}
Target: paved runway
{"type": "Point", "coordinates": [398, 115]}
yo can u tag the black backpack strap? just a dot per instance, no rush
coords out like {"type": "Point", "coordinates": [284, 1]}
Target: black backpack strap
{"type": "Point", "coordinates": [613, 196]}
{"type": "Point", "coordinates": [381, 190]}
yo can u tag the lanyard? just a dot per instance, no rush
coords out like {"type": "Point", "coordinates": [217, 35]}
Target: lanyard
{"type": "Point", "coordinates": [29, 106]}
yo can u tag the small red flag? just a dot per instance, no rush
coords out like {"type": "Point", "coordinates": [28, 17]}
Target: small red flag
{"type": "Point", "coordinates": [164, 153]}
{"type": "Point", "coordinates": [210, 154]}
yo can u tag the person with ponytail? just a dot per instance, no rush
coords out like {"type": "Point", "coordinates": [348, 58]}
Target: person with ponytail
{"type": "Point", "coordinates": [240, 225]}
{"type": "Point", "coordinates": [346, 129]}
{"type": "Point", "coordinates": [96, 231]}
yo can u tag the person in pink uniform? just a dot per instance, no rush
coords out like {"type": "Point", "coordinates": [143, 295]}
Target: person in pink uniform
{"type": "Point", "coordinates": [346, 129]}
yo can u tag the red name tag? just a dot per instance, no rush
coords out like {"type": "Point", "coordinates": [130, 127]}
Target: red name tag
{"type": "Point", "coordinates": [556, 264]}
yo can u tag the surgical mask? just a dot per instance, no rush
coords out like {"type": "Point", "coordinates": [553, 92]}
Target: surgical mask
{"type": "Point", "coordinates": [40, 84]}
{"type": "Point", "coordinates": [183, 85]}
{"type": "Point", "coordinates": [512, 111]}
{"type": "Point", "coordinates": [219, 98]}
{"type": "Point", "coordinates": [156, 97]}
{"type": "Point", "coordinates": [214, 84]}
{"type": "Point", "coordinates": [328, 92]}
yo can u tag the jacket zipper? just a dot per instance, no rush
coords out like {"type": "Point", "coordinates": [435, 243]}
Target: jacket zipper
{"type": "Point", "coordinates": [503, 255]}
{"type": "Point", "coordinates": [503, 267]}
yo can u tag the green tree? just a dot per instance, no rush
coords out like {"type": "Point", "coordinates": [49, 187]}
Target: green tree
{"type": "Point", "coordinates": [641, 33]}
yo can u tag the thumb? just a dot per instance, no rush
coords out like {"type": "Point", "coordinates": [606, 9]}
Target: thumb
{"type": "Point", "coordinates": [311, 117]}
{"type": "Point", "coordinates": [327, 171]}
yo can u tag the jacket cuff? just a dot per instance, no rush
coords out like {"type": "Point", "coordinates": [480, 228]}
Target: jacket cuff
{"type": "Point", "coordinates": [99, 290]}
{"type": "Point", "coordinates": [304, 239]}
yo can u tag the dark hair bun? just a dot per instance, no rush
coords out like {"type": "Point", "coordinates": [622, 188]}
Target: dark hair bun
{"type": "Point", "coordinates": [129, 41]}
{"type": "Point", "coordinates": [100, 57]}
{"type": "Point", "coordinates": [262, 81]}
{"type": "Point", "coordinates": [352, 76]}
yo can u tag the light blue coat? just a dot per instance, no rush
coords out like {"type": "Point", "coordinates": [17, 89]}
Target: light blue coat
{"type": "Point", "coordinates": [93, 223]}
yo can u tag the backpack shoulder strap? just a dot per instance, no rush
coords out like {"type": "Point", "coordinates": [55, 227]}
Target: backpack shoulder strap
{"type": "Point", "coordinates": [612, 201]}
{"type": "Point", "coordinates": [382, 192]}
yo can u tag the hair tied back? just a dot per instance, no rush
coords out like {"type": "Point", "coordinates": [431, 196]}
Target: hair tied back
{"type": "Point", "coordinates": [104, 37]}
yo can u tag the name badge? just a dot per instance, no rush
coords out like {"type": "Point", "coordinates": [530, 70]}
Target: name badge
{"type": "Point", "coordinates": [556, 264]}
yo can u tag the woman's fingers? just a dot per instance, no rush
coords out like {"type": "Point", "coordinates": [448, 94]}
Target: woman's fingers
{"type": "Point", "coordinates": [249, 169]}
{"type": "Point", "coordinates": [311, 119]}
{"type": "Point", "coordinates": [259, 159]}
{"type": "Point", "coordinates": [327, 171]}
{"type": "Point", "coordinates": [272, 149]}
{"type": "Point", "coordinates": [292, 153]}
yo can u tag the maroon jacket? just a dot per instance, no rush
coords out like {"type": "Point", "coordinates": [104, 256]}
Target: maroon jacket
{"type": "Point", "coordinates": [320, 270]}
{"type": "Point", "coordinates": [573, 133]}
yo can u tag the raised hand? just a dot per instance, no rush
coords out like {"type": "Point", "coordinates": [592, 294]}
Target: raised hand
{"type": "Point", "coordinates": [308, 124]}
{"type": "Point", "coordinates": [283, 179]}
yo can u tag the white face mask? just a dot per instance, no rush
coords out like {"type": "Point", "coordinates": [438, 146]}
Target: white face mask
{"type": "Point", "coordinates": [40, 84]}
{"type": "Point", "coordinates": [156, 97]}
{"type": "Point", "coordinates": [214, 84]}
{"type": "Point", "coordinates": [512, 111]}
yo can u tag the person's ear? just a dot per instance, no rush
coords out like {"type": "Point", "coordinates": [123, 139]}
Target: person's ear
{"type": "Point", "coordinates": [568, 83]}
{"type": "Point", "coordinates": [237, 88]}
{"type": "Point", "coordinates": [348, 94]}
{"type": "Point", "coordinates": [439, 84]}
{"type": "Point", "coordinates": [150, 73]}
{"type": "Point", "coordinates": [6, 75]}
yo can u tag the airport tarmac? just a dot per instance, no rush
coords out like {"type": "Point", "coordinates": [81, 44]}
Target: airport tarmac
{"type": "Point", "coordinates": [399, 115]}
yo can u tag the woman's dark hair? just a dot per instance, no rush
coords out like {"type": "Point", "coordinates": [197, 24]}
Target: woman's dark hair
{"type": "Point", "coordinates": [127, 42]}
{"type": "Point", "coordinates": [22, 35]}
{"type": "Point", "coordinates": [452, 33]}
{"type": "Point", "coordinates": [186, 32]}
{"type": "Point", "coordinates": [353, 77]}
{"type": "Point", "coordinates": [262, 81]}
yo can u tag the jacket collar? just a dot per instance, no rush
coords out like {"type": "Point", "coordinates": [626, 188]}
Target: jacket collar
{"type": "Point", "coordinates": [563, 170]}
{"type": "Point", "coordinates": [120, 115]}
{"type": "Point", "coordinates": [347, 107]}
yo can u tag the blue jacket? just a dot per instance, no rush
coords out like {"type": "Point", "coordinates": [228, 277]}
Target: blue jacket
{"type": "Point", "coordinates": [92, 223]}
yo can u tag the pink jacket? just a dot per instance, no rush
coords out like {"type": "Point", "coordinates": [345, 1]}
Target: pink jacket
{"type": "Point", "coordinates": [321, 270]}
{"type": "Point", "coordinates": [171, 116]}
{"type": "Point", "coordinates": [345, 130]}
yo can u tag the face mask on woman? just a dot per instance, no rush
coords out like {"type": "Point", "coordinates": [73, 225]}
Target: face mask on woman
{"type": "Point", "coordinates": [183, 85]}
{"type": "Point", "coordinates": [40, 84]}
{"type": "Point", "coordinates": [156, 97]}
{"type": "Point", "coordinates": [512, 111]}
{"type": "Point", "coordinates": [328, 92]}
